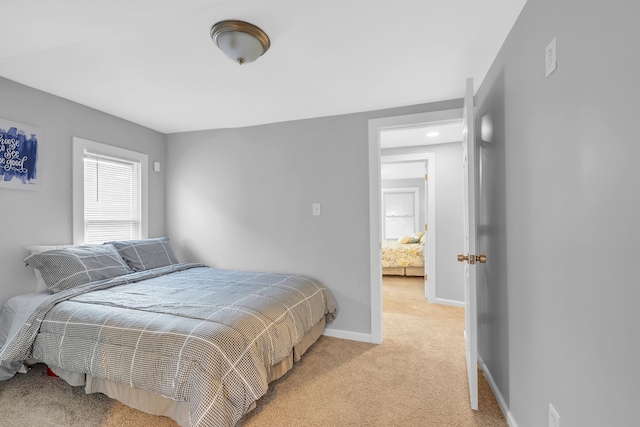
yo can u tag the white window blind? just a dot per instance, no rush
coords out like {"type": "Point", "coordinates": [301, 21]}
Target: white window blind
{"type": "Point", "coordinates": [112, 198]}
{"type": "Point", "coordinates": [400, 212]}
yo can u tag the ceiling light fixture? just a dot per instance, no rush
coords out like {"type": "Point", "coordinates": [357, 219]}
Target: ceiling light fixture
{"type": "Point", "coordinates": [432, 134]}
{"type": "Point", "coordinates": [239, 40]}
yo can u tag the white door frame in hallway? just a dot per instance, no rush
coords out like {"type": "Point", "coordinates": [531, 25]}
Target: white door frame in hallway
{"type": "Point", "coordinates": [375, 126]}
{"type": "Point", "coordinates": [429, 202]}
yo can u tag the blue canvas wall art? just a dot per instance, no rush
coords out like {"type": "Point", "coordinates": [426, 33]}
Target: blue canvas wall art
{"type": "Point", "coordinates": [19, 149]}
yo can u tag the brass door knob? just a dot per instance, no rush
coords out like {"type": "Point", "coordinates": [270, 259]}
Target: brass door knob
{"type": "Point", "coordinates": [471, 259]}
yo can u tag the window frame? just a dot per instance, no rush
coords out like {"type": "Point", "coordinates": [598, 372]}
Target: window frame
{"type": "Point", "coordinates": [79, 147]}
{"type": "Point", "coordinates": [416, 216]}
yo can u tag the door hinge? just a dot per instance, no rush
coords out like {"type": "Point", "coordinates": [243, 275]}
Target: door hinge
{"type": "Point", "coordinates": [426, 227]}
{"type": "Point", "coordinates": [426, 177]}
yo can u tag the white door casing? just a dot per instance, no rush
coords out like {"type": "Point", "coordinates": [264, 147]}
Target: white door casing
{"type": "Point", "coordinates": [429, 157]}
{"type": "Point", "coordinates": [470, 249]}
{"type": "Point", "coordinates": [430, 232]}
{"type": "Point", "coordinates": [375, 208]}
{"type": "Point", "coordinates": [425, 257]}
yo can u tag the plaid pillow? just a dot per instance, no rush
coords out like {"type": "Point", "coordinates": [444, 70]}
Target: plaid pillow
{"type": "Point", "coordinates": [146, 254]}
{"type": "Point", "coordinates": [66, 268]}
{"type": "Point", "coordinates": [36, 249]}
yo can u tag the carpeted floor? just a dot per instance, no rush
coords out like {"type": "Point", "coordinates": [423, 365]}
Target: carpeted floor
{"type": "Point", "coordinates": [416, 377]}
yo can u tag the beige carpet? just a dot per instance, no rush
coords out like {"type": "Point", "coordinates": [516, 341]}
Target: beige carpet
{"type": "Point", "coordinates": [417, 377]}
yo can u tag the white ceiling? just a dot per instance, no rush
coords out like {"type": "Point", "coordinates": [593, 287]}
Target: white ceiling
{"type": "Point", "coordinates": [435, 133]}
{"type": "Point", "coordinates": [152, 61]}
{"type": "Point", "coordinates": [406, 170]}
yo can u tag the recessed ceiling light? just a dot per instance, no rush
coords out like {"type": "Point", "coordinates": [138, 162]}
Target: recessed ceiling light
{"type": "Point", "coordinates": [432, 134]}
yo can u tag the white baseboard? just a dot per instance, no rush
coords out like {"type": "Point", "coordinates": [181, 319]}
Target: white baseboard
{"type": "Point", "coordinates": [503, 405]}
{"type": "Point", "coordinates": [448, 302]}
{"type": "Point", "coordinates": [347, 335]}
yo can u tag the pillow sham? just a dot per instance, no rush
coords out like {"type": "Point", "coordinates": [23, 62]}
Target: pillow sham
{"type": "Point", "coordinates": [37, 249]}
{"type": "Point", "coordinates": [417, 235]}
{"type": "Point", "coordinates": [69, 267]}
{"type": "Point", "coordinates": [146, 254]}
{"type": "Point", "coordinates": [414, 238]}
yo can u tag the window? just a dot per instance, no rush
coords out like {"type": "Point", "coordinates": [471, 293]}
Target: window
{"type": "Point", "coordinates": [109, 193]}
{"type": "Point", "coordinates": [400, 210]}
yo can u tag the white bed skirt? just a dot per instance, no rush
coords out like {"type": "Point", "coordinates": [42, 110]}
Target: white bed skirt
{"type": "Point", "coordinates": [403, 271]}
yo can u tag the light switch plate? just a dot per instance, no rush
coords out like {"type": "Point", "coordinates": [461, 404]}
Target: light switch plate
{"type": "Point", "coordinates": [550, 59]}
{"type": "Point", "coordinates": [554, 417]}
{"type": "Point", "coordinates": [156, 166]}
{"type": "Point", "coordinates": [317, 211]}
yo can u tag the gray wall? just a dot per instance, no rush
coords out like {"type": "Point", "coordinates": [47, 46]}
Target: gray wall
{"type": "Point", "coordinates": [44, 217]}
{"type": "Point", "coordinates": [449, 235]}
{"type": "Point", "coordinates": [559, 318]}
{"type": "Point", "coordinates": [241, 198]}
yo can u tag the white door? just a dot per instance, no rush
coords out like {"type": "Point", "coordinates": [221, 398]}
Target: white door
{"type": "Point", "coordinates": [469, 256]}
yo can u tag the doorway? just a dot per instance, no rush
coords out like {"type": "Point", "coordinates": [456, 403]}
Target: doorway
{"type": "Point", "coordinates": [417, 169]}
{"type": "Point", "coordinates": [376, 128]}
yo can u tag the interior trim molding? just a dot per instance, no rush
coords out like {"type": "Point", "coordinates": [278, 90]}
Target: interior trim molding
{"type": "Point", "coordinates": [450, 302]}
{"type": "Point", "coordinates": [347, 335]}
{"type": "Point", "coordinates": [496, 391]}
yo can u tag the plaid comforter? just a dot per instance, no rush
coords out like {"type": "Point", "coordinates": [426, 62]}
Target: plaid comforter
{"type": "Point", "coordinates": [187, 332]}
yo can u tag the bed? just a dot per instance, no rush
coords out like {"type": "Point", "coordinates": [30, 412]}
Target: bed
{"type": "Point", "coordinates": [184, 340]}
{"type": "Point", "coordinates": [404, 257]}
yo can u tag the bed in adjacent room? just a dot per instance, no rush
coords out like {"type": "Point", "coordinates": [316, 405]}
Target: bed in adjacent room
{"type": "Point", "coordinates": [404, 257]}
{"type": "Point", "coordinates": [194, 343]}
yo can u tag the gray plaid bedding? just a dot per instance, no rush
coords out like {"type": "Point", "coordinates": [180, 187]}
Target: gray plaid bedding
{"type": "Point", "coordinates": [187, 332]}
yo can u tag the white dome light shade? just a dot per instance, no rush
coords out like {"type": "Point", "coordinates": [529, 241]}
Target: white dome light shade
{"type": "Point", "coordinates": [240, 41]}
{"type": "Point", "coordinates": [240, 47]}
